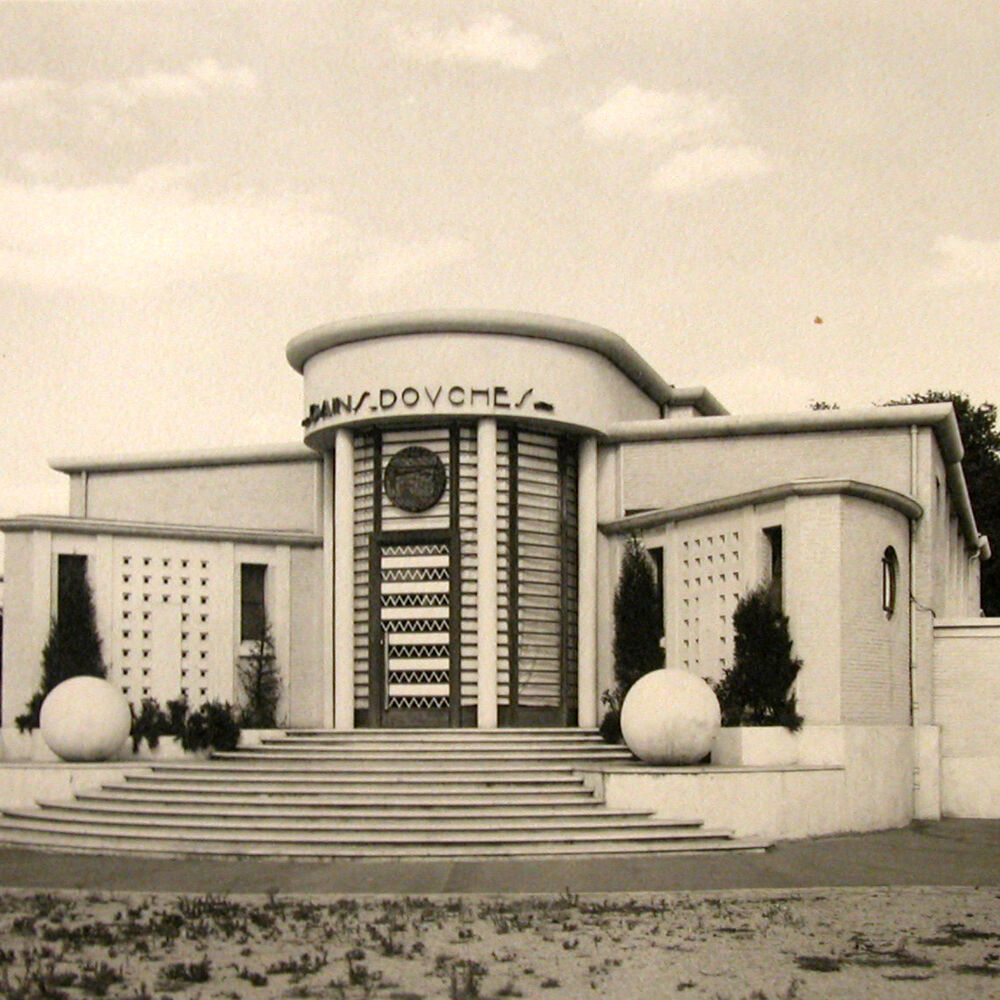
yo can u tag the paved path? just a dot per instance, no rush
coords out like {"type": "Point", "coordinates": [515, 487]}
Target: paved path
{"type": "Point", "coordinates": [952, 852]}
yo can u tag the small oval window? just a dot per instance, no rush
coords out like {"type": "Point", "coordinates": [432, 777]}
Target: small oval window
{"type": "Point", "coordinates": [890, 576]}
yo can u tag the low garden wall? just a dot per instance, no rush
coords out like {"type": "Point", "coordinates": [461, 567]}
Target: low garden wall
{"type": "Point", "coordinates": [967, 710]}
{"type": "Point", "coordinates": [845, 779]}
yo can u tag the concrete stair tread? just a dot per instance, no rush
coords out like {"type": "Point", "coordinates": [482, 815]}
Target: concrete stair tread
{"type": "Point", "coordinates": [289, 833]}
{"type": "Point", "coordinates": [311, 782]}
{"type": "Point", "coordinates": [425, 737]}
{"type": "Point", "coordinates": [305, 811]}
{"type": "Point", "coordinates": [470, 796]}
{"type": "Point", "coordinates": [369, 766]}
{"type": "Point", "coordinates": [282, 755]}
{"type": "Point", "coordinates": [169, 847]}
{"type": "Point", "coordinates": [339, 824]}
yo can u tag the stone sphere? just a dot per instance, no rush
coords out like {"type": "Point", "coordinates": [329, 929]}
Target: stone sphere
{"type": "Point", "coordinates": [85, 718]}
{"type": "Point", "coordinates": [670, 716]}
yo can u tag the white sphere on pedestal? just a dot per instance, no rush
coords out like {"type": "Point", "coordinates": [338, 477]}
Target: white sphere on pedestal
{"type": "Point", "coordinates": [85, 718]}
{"type": "Point", "coordinates": [670, 716]}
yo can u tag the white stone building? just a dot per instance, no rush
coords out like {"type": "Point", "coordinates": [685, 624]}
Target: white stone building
{"type": "Point", "coordinates": [442, 548]}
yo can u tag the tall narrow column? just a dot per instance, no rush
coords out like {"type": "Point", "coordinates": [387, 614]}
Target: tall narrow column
{"type": "Point", "coordinates": [343, 582]}
{"type": "Point", "coordinates": [587, 588]}
{"type": "Point", "coordinates": [486, 547]}
{"type": "Point", "coordinates": [326, 495]}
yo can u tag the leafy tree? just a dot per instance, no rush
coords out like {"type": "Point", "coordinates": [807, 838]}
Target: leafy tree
{"type": "Point", "coordinates": [73, 647]}
{"type": "Point", "coordinates": [981, 465]}
{"type": "Point", "coordinates": [756, 689]}
{"type": "Point", "coordinates": [261, 683]}
{"type": "Point", "coordinates": [638, 629]}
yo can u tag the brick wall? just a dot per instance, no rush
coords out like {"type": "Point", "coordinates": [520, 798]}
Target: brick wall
{"type": "Point", "coordinates": [875, 646]}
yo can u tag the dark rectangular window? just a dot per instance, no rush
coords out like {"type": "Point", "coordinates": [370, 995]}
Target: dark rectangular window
{"type": "Point", "coordinates": [252, 613]}
{"type": "Point", "coordinates": [656, 556]}
{"type": "Point", "coordinates": [773, 536]}
{"type": "Point", "coordinates": [72, 576]}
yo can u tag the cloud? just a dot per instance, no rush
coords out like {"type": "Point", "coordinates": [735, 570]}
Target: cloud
{"type": "Point", "coordinates": [661, 116]}
{"type": "Point", "coordinates": [491, 40]}
{"type": "Point", "coordinates": [397, 263]}
{"type": "Point", "coordinates": [200, 80]}
{"type": "Point", "coordinates": [694, 169]}
{"type": "Point", "coordinates": [17, 91]}
{"type": "Point", "coordinates": [966, 262]}
{"type": "Point", "coordinates": [139, 235]}
{"type": "Point", "coordinates": [43, 164]}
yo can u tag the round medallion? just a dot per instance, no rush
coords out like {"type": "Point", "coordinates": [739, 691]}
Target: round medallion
{"type": "Point", "coordinates": [415, 479]}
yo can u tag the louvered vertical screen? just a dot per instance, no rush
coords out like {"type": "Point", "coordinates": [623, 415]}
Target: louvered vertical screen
{"type": "Point", "coordinates": [503, 566]}
{"type": "Point", "coordinates": [470, 565]}
{"type": "Point", "coordinates": [570, 479]}
{"type": "Point", "coordinates": [364, 452]}
{"type": "Point", "coordinates": [545, 561]}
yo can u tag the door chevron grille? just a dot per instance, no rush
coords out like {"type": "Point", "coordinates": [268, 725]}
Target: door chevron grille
{"type": "Point", "coordinates": [416, 674]}
{"type": "Point", "coordinates": [414, 600]}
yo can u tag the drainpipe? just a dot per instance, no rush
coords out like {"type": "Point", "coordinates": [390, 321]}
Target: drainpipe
{"type": "Point", "coordinates": [909, 573]}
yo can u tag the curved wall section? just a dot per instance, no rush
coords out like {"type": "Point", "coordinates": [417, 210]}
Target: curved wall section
{"type": "Point", "coordinates": [530, 380]}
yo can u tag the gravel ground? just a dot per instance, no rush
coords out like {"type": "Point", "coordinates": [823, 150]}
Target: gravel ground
{"type": "Point", "coordinates": [740, 945]}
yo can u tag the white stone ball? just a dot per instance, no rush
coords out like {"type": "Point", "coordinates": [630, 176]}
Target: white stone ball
{"type": "Point", "coordinates": [85, 718]}
{"type": "Point", "coordinates": [670, 716]}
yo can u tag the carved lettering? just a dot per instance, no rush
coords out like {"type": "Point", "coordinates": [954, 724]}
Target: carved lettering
{"type": "Point", "coordinates": [456, 395]}
{"type": "Point", "coordinates": [432, 399]}
{"type": "Point", "coordinates": [483, 393]}
{"type": "Point", "coordinates": [361, 400]}
{"type": "Point", "coordinates": [386, 399]}
{"type": "Point", "coordinates": [523, 399]}
{"type": "Point", "coordinates": [500, 398]}
{"type": "Point", "coordinates": [410, 396]}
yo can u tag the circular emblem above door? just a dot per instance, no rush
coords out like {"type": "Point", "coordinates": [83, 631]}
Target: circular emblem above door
{"type": "Point", "coordinates": [415, 479]}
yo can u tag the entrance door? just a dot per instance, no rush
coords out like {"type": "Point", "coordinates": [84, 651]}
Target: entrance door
{"type": "Point", "coordinates": [414, 666]}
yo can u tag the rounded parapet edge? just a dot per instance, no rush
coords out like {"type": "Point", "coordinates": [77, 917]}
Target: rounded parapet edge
{"type": "Point", "coordinates": [540, 327]}
{"type": "Point", "coordinates": [796, 488]}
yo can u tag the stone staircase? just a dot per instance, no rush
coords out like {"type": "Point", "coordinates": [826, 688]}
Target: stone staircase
{"type": "Point", "coordinates": [368, 794]}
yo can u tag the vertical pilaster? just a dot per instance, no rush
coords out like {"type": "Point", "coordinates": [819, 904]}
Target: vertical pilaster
{"type": "Point", "coordinates": [326, 647]}
{"type": "Point", "coordinates": [343, 581]}
{"type": "Point", "coordinates": [587, 588]}
{"type": "Point", "coordinates": [486, 544]}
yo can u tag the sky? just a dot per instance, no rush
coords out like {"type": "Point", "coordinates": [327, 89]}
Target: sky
{"type": "Point", "coordinates": [784, 202]}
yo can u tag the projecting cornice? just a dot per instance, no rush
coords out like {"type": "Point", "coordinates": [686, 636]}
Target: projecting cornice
{"type": "Point", "coordinates": [142, 529]}
{"type": "Point", "coordinates": [262, 454]}
{"type": "Point", "coordinates": [769, 494]}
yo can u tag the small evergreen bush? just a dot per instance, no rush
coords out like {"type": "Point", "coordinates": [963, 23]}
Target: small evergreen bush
{"type": "Point", "coordinates": [261, 683]}
{"type": "Point", "coordinates": [214, 726]}
{"type": "Point", "coordinates": [638, 628]}
{"type": "Point", "coordinates": [73, 647]}
{"type": "Point", "coordinates": [149, 724]}
{"type": "Point", "coordinates": [756, 689]}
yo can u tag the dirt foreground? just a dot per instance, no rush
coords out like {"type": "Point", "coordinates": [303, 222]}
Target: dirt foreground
{"type": "Point", "coordinates": [744, 945]}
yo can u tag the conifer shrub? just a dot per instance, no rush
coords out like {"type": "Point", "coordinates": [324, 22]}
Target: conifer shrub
{"type": "Point", "coordinates": [756, 689]}
{"type": "Point", "coordinates": [73, 647]}
{"type": "Point", "coordinates": [261, 683]}
{"type": "Point", "coordinates": [638, 628]}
